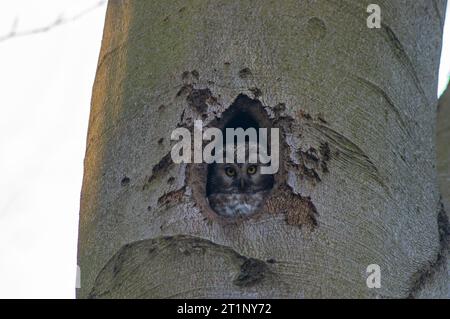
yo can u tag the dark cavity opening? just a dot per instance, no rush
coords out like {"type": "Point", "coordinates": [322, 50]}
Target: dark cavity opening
{"type": "Point", "coordinates": [243, 113]}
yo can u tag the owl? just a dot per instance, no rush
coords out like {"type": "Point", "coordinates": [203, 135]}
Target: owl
{"type": "Point", "coordinates": [237, 189]}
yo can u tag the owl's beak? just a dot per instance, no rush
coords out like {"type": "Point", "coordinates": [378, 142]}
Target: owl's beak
{"type": "Point", "coordinates": [243, 184]}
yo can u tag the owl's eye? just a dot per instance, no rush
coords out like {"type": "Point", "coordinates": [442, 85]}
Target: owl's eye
{"type": "Point", "coordinates": [230, 171]}
{"type": "Point", "coordinates": [251, 169]}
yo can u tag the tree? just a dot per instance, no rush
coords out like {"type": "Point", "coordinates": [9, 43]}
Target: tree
{"type": "Point", "coordinates": [443, 147]}
{"type": "Point", "coordinates": [357, 184]}
{"type": "Point", "coordinates": [443, 163]}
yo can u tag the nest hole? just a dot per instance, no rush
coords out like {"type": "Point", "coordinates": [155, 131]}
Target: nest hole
{"type": "Point", "coordinates": [244, 113]}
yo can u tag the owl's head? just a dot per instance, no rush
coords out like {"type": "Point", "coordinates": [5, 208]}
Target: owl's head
{"type": "Point", "coordinates": [235, 178]}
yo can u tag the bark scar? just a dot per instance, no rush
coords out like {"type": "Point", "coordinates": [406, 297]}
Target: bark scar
{"type": "Point", "coordinates": [159, 169]}
{"type": "Point", "coordinates": [426, 273]}
{"type": "Point", "coordinates": [350, 153]}
{"type": "Point", "coordinates": [129, 272]}
{"type": "Point", "coordinates": [252, 271]}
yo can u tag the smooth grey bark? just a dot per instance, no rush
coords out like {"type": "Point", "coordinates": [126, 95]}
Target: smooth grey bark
{"type": "Point", "coordinates": [358, 184]}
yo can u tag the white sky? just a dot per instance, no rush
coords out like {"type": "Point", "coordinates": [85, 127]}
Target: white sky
{"type": "Point", "coordinates": [46, 82]}
{"type": "Point", "coordinates": [444, 69]}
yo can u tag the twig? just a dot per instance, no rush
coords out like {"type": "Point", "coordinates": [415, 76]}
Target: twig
{"type": "Point", "coordinates": [60, 20]}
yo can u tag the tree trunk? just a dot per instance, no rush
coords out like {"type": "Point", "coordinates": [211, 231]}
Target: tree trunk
{"type": "Point", "coordinates": [443, 164]}
{"type": "Point", "coordinates": [357, 183]}
{"type": "Point", "coordinates": [443, 146]}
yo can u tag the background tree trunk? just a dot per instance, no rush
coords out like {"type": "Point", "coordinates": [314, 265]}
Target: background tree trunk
{"type": "Point", "coordinates": [358, 182]}
{"type": "Point", "coordinates": [443, 161]}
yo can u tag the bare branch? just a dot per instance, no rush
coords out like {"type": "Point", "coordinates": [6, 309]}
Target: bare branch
{"type": "Point", "coordinates": [60, 20]}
